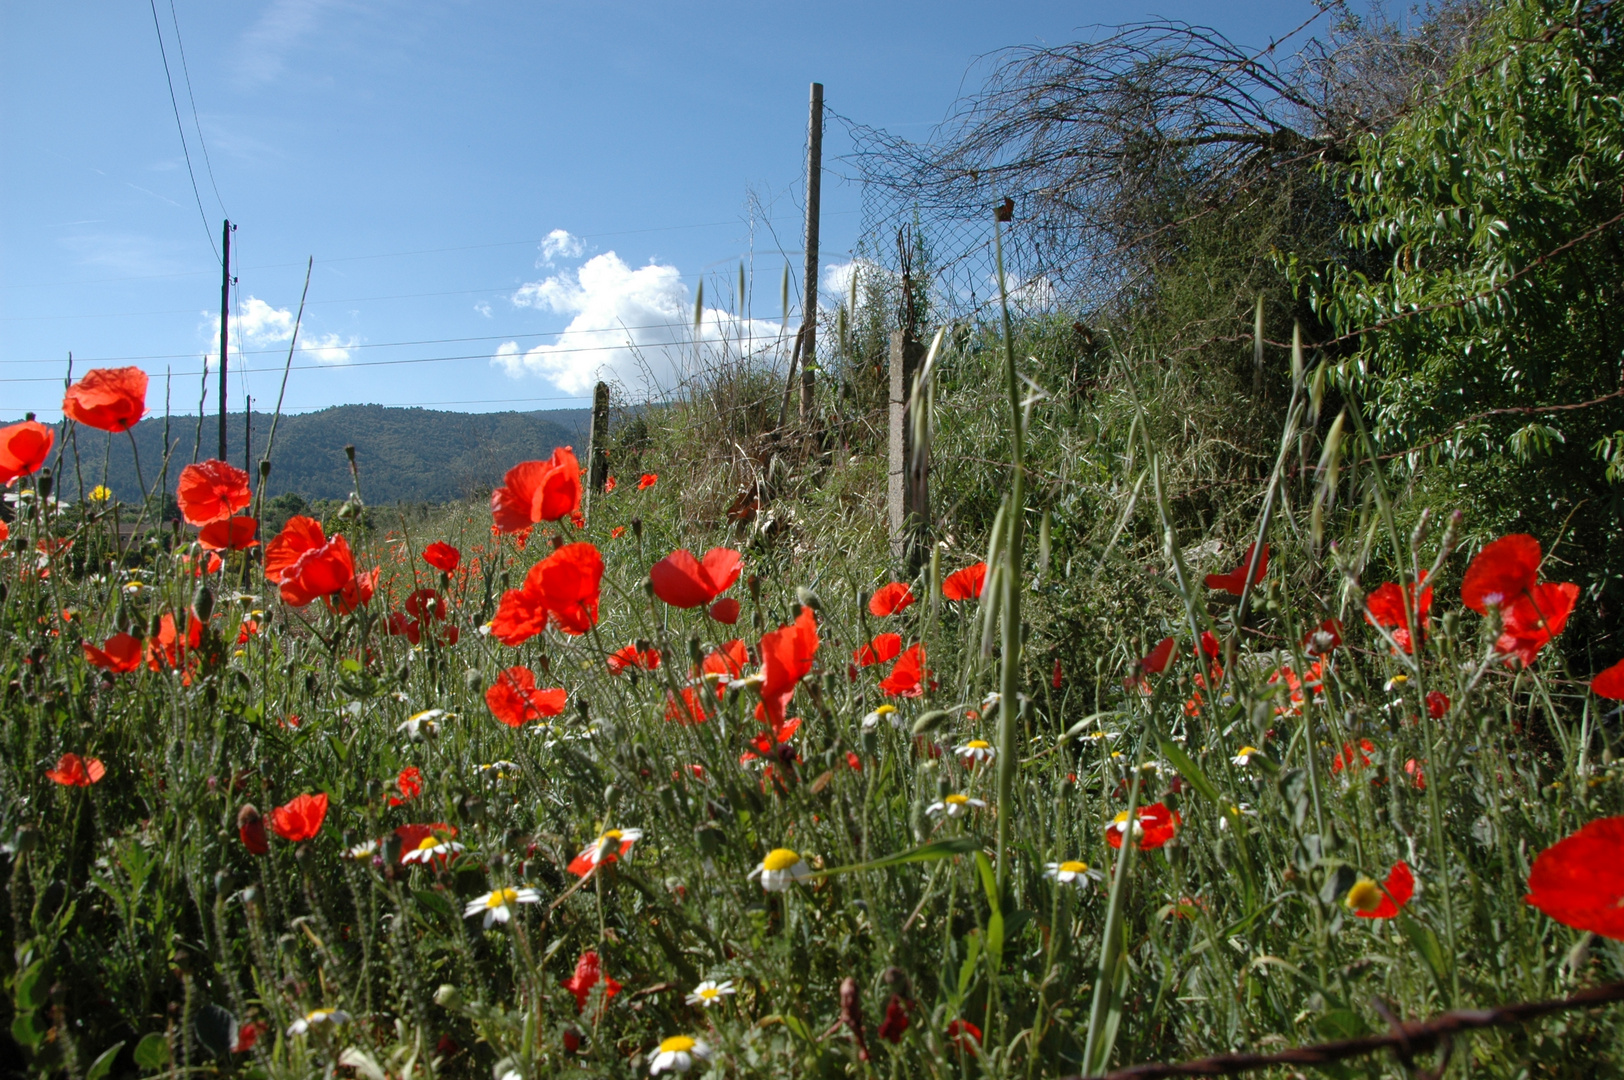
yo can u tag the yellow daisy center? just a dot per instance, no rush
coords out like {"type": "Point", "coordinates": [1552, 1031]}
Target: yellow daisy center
{"type": "Point", "coordinates": [426, 843]}
{"type": "Point", "coordinates": [780, 859]}
{"type": "Point", "coordinates": [885, 710]}
{"type": "Point", "coordinates": [708, 992]}
{"type": "Point", "coordinates": [677, 1044]}
{"type": "Point", "coordinates": [1072, 866]}
{"type": "Point", "coordinates": [956, 800]}
{"type": "Point", "coordinates": [1247, 751]}
{"type": "Point", "coordinates": [1365, 895]}
{"type": "Point", "coordinates": [502, 898]}
{"type": "Point", "coordinates": [978, 744]}
{"type": "Point", "coordinates": [612, 834]}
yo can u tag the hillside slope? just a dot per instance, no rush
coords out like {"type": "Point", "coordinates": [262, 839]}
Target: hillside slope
{"type": "Point", "coordinates": [405, 455]}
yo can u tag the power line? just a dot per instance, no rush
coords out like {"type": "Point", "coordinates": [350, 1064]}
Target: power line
{"type": "Point", "coordinates": [479, 356]}
{"type": "Point", "coordinates": [181, 129]}
{"type": "Point", "coordinates": [280, 351]}
{"type": "Point", "coordinates": [180, 45]}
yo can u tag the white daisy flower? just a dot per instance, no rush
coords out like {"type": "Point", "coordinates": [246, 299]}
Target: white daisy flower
{"type": "Point", "coordinates": [1395, 682]}
{"type": "Point", "coordinates": [498, 770]}
{"type": "Point", "coordinates": [1235, 810]}
{"type": "Point", "coordinates": [363, 850]}
{"type": "Point", "coordinates": [423, 724]}
{"type": "Point", "coordinates": [498, 904]}
{"type": "Point", "coordinates": [955, 805]}
{"type": "Point", "coordinates": [976, 750]}
{"type": "Point", "coordinates": [614, 842]}
{"type": "Point", "coordinates": [781, 868]}
{"type": "Point", "coordinates": [429, 848]}
{"type": "Point", "coordinates": [315, 1018]}
{"type": "Point", "coordinates": [1072, 871]}
{"type": "Point", "coordinates": [710, 992]}
{"type": "Point", "coordinates": [1245, 755]}
{"type": "Point", "coordinates": [872, 720]}
{"type": "Point", "coordinates": [678, 1054]}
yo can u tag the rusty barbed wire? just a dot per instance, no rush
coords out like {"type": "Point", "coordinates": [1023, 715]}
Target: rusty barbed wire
{"type": "Point", "coordinates": [1404, 1039]}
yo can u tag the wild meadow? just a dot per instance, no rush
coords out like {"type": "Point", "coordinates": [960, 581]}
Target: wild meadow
{"type": "Point", "coordinates": [583, 783]}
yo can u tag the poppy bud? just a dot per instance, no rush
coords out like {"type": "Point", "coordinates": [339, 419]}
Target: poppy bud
{"type": "Point", "coordinates": [203, 603]}
{"type": "Point", "coordinates": [223, 883]}
{"type": "Point", "coordinates": [871, 744]}
{"type": "Point", "coordinates": [251, 828]}
{"type": "Point", "coordinates": [264, 469]}
{"type": "Point", "coordinates": [43, 484]}
{"type": "Point", "coordinates": [668, 799]}
{"type": "Point", "coordinates": [473, 679]}
{"type": "Point", "coordinates": [584, 707]}
{"type": "Point", "coordinates": [448, 996]}
{"type": "Point", "coordinates": [637, 527]}
{"type": "Point", "coordinates": [610, 793]}
{"type": "Point", "coordinates": [695, 653]}
{"type": "Point", "coordinates": [808, 598]}
{"type": "Point", "coordinates": [54, 894]}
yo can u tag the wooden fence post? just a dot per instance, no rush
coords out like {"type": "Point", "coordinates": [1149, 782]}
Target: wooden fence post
{"type": "Point", "coordinates": [908, 499]}
{"type": "Point", "coordinates": [598, 444]}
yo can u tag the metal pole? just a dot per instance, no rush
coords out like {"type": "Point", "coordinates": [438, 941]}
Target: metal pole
{"type": "Point", "coordinates": [225, 307]}
{"type": "Point", "coordinates": [809, 308]}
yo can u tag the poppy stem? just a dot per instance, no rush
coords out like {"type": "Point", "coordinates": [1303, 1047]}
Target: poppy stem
{"type": "Point", "coordinates": [1010, 583]}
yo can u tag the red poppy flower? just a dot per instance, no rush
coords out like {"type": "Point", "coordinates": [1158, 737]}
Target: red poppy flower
{"type": "Point", "coordinates": [607, 848]}
{"type": "Point", "coordinates": [442, 556]}
{"type": "Point", "coordinates": [588, 971]}
{"type": "Point", "coordinates": [906, 678]}
{"type": "Point", "coordinates": [965, 584]}
{"type": "Point", "coordinates": [632, 656]}
{"type": "Point", "coordinates": [229, 534]}
{"type": "Point", "coordinates": [786, 658]}
{"type": "Point", "coordinates": [1610, 683]}
{"type": "Point", "coordinates": [211, 491]}
{"type": "Point", "coordinates": [1417, 775]}
{"type": "Point", "coordinates": [890, 599]}
{"type": "Point", "coordinates": [609, 485]}
{"type": "Point", "coordinates": [1156, 662]}
{"type": "Point", "coordinates": [1579, 880]}
{"type": "Point", "coordinates": [355, 592]}
{"type": "Point", "coordinates": [686, 582]}
{"type": "Point", "coordinates": [689, 708]}
{"type": "Point", "coordinates": [1059, 675]}
{"type": "Point", "coordinates": [306, 564]}
{"type": "Point", "coordinates": [247, 1036]}
{"type": "Point", "coordinates": [74, 771]}
{"type": "Point", "coordinates": [896, 1019]}
{"type": "Point", "coordinates": [108, 399]}
{"type": "Point", "coordinates": [1395, 893]}
{"type": "Point", "coordinates": [1155, 827]}
{"type": "Point", "coordinates": [647, 480]}
{"type": "Point", "coordinates": [1502, 571]}
{"type": "Point", "coordinates": [1437, 704]}
{"type": "Point", "coordinates": [514, 699]}
{"type": "Point", "coordinates": [729, 660]}
{"type": "Point", "coordinates": [1234, 582]}
{"type": "Point", "coordinates": [410, 783]}
{"type": "Point", "coordinates": [617, 532]}
{"type": "Point", "coordinates": [520, 616]}
{"type": "Point", "coordinates": [300, 819]}
{"type": "Point", "coordinates": [1385, 608]}
{"type": "Point", "coordinates": [166, 649]}
{"type": "Point", "coordinates": [1323, 638]}
{"type": "Point", "coordinates": [251, 828]}
{"type": "Point", "coordinates": [1534, 618]}
{"type": "Point", "coordinates": [535, 491]}
{"type": "Point", "coordinates": [24, 449]}
{"type": "Point", "coordinates": [121, 654]}
{"type": "Point", "coordinates": [1352, 759]}
{"type": "Point", "coordinates": [725, 611]}
{"type": "Point", "coordinates": [966, 1036]}
{"type": "Point", "coordinates": [883, 648]}
{"type": "Point", "coordinates": [564, 586]}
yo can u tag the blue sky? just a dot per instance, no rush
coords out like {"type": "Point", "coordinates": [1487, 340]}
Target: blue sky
{"type": "Point", "coordinates": [424, 153]}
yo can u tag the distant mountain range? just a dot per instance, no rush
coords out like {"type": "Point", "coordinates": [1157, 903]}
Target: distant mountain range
{"type": "Point", "coordinates": [404, 455]}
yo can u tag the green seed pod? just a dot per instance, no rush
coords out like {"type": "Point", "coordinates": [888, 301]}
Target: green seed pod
{"type": "Point", "coordinates": [203, 603]}
{"type": "Point", "coordinates": [808, 598]}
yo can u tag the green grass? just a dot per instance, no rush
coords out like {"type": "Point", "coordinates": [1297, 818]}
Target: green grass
{"type": "Point", "coordinates": [139, 920]}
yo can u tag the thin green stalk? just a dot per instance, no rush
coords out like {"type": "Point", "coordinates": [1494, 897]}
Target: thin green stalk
{"type": "Point", "coordinates": [1009, 674]}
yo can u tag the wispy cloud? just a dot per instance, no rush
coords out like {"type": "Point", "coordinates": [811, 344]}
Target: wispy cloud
{"type": "Point", "coordinates": [125, 254]}
{"type": "Point", "coordinates": [559, 244]}
{"type": "Point", "coordinates": [280, 28]}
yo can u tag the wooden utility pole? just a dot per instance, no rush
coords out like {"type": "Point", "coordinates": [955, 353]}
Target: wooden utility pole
{"type": "Point", "coordinates": [809, 309]}
{"type": "Point", "coordinates": [225, 308]}
{"type": "Point", "coordinates": [247, 436]}
{"type": "Point", "coordinates": [597, 462]}
{"type": "Point", "coordinates": [907, 467]}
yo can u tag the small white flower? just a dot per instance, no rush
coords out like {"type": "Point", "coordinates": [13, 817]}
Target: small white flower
{"type": "Point", "coordinates": [364, 850]}
{"type": "Point", "coordinates": [315, 1018]}
{"type": "Point", "coordinates": [976, 750]}
{"type": "Point", "coordinates": [498, 770]}
{"type": "Point", "coordinates": [133, 587]}
{"type": "Point", "coordinates": [1245, 755]}
{"type": "Point", "coordinates": [678, 1054]}
{"type": "Point", "coordinates": [1072, 871]}
{"type": "Point", "coordinates": [780, 869]}
{"type": "Point", "coordinates": [430, 848]}
{"type": "Point", "coordinates": [990, 700]}
{"type": "Point", "coordinates": [872, 720]}
{"type": "Point", "coordinates": [423, 724]}
{"type": "Point", "coordinates": [1396, 682]}
{"type": "Point", "coordinates": [613, 843]}
{"type": "Point", "coordinates": [1235, 810]}
{"type": "Point", "coordinates": [498, 904]}
{"type": "Point", "coordinates": [710, 993]}
{"type": "Point", "coordinates": [955, 805]}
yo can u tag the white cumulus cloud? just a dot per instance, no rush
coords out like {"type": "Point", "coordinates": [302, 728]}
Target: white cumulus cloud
{"type": "Point", "coordinates": [259, 325]}
{"type": "Point", "coordinates": [559, 244]}
{"type": "Point", "coordinates": [634, 326]}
